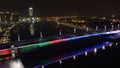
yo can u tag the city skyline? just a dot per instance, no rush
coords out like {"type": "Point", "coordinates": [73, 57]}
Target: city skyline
{"type": "Point", "coordinates": [63, 7]}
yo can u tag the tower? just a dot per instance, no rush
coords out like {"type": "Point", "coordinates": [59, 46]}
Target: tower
{"type": "Point", "coordinates": [30, 11]}
{"type": "Point", "coordinates": [31, 15]}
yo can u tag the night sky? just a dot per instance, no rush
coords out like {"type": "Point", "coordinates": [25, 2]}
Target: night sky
{"type": "Point", "coordinates": [63, 7]}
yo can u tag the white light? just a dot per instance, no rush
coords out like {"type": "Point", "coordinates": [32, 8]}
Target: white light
{"type": "Point", "coordinates": [60, 33]}
{"type": "Point", "coordinates": [42, 66]}
{"type": "Point", "coordinates": [103, 47]}
{"type": "Point", "coordinates": [74, 57]}
{"type": "Point", "coordinates": [105, 27]}
{"type": "Point", "coordinates": [112, 27]}
{"type": "Point", "coordinates": [116, 43]}
{"type": "Point", "coordinates": [30, 8]}
{"type": "Point", "coordinates": [60, 62]}
{"type": "Point", "coordinates": [95, 50]}
{"type": "Point", "coordinates": [86, 53]}
{"type": "Point", "coordinates": [41, 35]}
{"type": "Point", "coordinates": [118, 25]}
{"type": "Point", "coordinates": [96, 27]}
{"type": "Point", "coordinates": [16, 64]}
{"type": "Point", "coordinates": [113, 32]}
{"type": "Point", "coordinates": [87, 29]}
{"type": "Point", "coordinates": [110, 45]}
{"type": "Point", "coordinates": [74, 30]}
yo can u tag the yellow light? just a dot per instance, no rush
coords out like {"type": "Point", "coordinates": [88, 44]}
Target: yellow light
{"type": "Point", "coordinates": [104, 18]}
{"type": "Point", "coordinates": [83, 21]}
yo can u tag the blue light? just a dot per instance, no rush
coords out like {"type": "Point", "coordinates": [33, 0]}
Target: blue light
{"type": "Point", "coordinates": [85, 36]}
{"type": "Point", "coordinates": [76, 53]}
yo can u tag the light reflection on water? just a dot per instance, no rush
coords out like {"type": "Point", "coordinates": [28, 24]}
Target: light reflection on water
{"type": "Point", "coordinates": [32, 29]}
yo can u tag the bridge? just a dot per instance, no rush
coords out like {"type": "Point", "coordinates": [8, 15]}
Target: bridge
{"type": "Point", "coordinates": [45, 45]}
{"type": "Point", "coordinates": [60, 58]}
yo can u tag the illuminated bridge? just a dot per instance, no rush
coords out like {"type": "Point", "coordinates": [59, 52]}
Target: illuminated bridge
{"type": "Point", "coordinates": [62, 49]}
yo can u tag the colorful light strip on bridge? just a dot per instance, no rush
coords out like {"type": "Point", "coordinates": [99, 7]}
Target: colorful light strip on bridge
{"type": "Point", "coordinates": [30, 47]}
{"type": "Point", "coordinates": [76, 53]}
{"type": "Point", "coordinates": [5, 52]}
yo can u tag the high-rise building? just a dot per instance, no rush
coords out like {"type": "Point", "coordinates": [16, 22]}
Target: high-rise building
{"type": "Point", "coordinates": [8, 17]}
{"type": "Point", "coordinates": [14, 17]}
{"type": "Point", "coordinates": [30, 11]}
{"type": "Point", "coordinates": [31, 15]}
{"type": "Point", "coordinates": [2, 17]}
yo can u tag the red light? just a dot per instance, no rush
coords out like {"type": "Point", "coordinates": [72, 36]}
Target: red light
{"type": "Point", "coordinates": [57, 57]}
{"type": "Point", "coordinates": [58, 41]}
{"type": "Point", "coordinates": [5, 52]}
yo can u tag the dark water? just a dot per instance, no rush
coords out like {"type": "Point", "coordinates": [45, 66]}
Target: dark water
{"type": "Point", "coordinates": [29, 31]}
{"type": "Point", "coordinates": [43, 55]}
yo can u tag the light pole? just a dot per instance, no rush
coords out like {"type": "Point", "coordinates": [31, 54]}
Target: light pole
{"type": "Point", "coordinates": [74, 30]}
{"type": "Point", "coordinates": [96, 27]}
{"type": "Point", "coordinates": [41, 35]}
{"type": "Point", "coordinates": [60, 32]}
{"type": "Point", "coordinates": [105, 27]}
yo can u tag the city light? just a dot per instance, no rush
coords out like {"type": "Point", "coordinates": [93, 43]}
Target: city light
{"type": "Point", "coordinates": [110, 45]}
{"type": "Point", "coordinates": [49, 33]}
{"type": "Point", "coordinates": [95, 50]}
{"type": "Point", "coordinates": [86, 53]}
{"type": "Point", "coordinates": [33, 46]}
{"type": "Point", "coordinates": [42, 66]}
{"type": "Point", "coordinates": [60, 62]}
{"type": "Point", "coordinates": [74, 57]}
{"type": "Point", "coordinates": [80, 52]}
{"type": "Point", "coordinates": [116, 43]}
{"type": "Point", "coordinates": [16, 64]}
{"type": "Point", "coordinates": [103, 47]}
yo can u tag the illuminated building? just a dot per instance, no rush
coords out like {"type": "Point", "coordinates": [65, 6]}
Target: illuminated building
{"type": "Point", "coordinates": [2, 17]}
{"type": "Point", "coordinates": [31, 15]}
{"type": "Point", "coordinates": [15, 17]}
{"type": "Point", "coordinates": [8, 16]}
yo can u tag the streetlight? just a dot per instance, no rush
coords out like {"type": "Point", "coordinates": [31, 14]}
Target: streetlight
{"type": "Point", "coordinates": [42, 66]}
{"type": "Point", "coordinates": [86, 53]}
{"type": "Point", "coordinates": [74, 30]}
{"type": "Point", "coordinates": [96, 27]}
{"type": "Point", "coordinates": [18, 37]}
{"type": "Point", "coordinates": [110, 45]}
{"type": "Point", "coordinates": [118, 25]}
{"type": "Point", "coordinates": [103, 47]}
{"type": "Point", "coordinates": [116, 43]}
{"type": "Point", "coordinates": [60, 32]}
{"type": "Point", "coordinates": [74, 57]}
{"type": "Point", "coordinates": [60, 62]}
{"type": "Point", "coordinates": [13, 51]}
{"type": "Point", "coordinates": [41, 35]}
{"type": "Point", "coordinates": [95, 50]}
{"type": "Point", "coordinates": [112, 26]}
{"type": "Point", "coordinates": [87, 29]}
{"type": "Point", "coordinates": [105, 27]}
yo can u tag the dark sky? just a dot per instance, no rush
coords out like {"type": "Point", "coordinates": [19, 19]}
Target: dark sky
{"type": "Point", "coordinates": [63, 7]}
